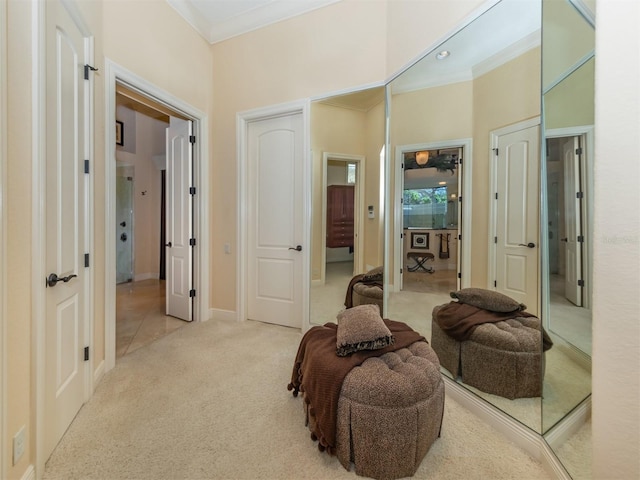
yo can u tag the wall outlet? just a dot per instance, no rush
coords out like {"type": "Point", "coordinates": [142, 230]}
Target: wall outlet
{"type": "Point", "coordinates": [227, 248]}
{"type": "Point", "coordinates": [19, 441]}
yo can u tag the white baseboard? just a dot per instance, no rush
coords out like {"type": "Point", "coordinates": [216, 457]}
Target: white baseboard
{"type": "Point", "coordinates": [29, 474]}
{"type": "Point", "coordinates": [526, 439]}
{"type": "Point", "coordinates": [98, 373]}
{"type": "Point", "coordinates": [145, 276]}
{"type": "Point", "coordinates": [569, 425]}
{"type": "Point", "coordinates": [316, 283]}
{"type": "Point", "coordinates": [219, 314]}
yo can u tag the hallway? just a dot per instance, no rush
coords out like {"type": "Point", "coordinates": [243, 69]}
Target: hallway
{"type": "Point", "coordinates": [140, 315]}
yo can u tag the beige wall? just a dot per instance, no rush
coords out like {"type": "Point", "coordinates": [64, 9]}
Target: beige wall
{"type": "Point", "coordinates": [565, 105]}
{"type": "Point", "coordinates": [507, 95]}
{"type": "Point", "coordinates": [351, 132]}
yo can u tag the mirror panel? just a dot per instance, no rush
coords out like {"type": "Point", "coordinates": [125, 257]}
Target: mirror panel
{"type": "Point", "coordinates": [568, 62]}
{"type": "Point", "coordinates": [488, 79]}
{"type": "Point", "coordinates": [347, 136]}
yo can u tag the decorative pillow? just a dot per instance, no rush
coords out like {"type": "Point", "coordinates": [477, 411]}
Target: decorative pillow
{"type": "Point", "coordinates": [488, 300]}
{"type": "Point", "coordinates": [373, 275]}
{"type": "Point", "coordinates": [361, 328]}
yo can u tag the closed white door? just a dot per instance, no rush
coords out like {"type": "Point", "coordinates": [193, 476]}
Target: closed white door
{"type": "Point", "coordinates": [179, 208]}
{"type": "Point", "coordinates": [572, 221]}
{"type": "Point", "coordinates": [275, 155]}
{"type": "Point", "coordinates": [65, 224]}
{"type": "Point", "coordinates": [517, 216]}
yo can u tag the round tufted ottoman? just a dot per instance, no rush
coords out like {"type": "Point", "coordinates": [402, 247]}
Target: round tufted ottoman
{"type": "Point", "coordinates": [504, 358]}
{"type": "Point", "coordinates": [390, 412]}
{"type": "Point", "coordinates": [364, 294]}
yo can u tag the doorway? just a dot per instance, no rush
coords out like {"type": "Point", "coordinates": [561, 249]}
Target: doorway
{"type": "Point", "coordinates": [148, 96]}
{"type": "Point", "coordinates": [141, 165]}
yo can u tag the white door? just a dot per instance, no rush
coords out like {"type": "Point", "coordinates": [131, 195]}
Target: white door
{"type": "Point", "coordinates": [572, 220]}
{"type": "Point", "coordinates": [517, 219]}
{"type": "Point", "coordinates": [65, 224]}
{"type": "Point", "coordinates": [179, 208]}
{"type": "Point", "coordinates": [275, 154]}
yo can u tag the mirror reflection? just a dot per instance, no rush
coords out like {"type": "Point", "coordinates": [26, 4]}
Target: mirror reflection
{"type": "Point", "coordinates": [347, 141]}
{"type": "Point", "coordinates": [471, 104]}
{"type": "Point", "coordinates": [568, 62]}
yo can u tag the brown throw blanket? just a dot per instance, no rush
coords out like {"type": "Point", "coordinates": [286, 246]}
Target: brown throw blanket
{"type": "Point", "coordinates": [348, 301]}
{"type": "Point", "coordinates": [318, 373]}
{"type": "Point", "coordinates": [458, 320]}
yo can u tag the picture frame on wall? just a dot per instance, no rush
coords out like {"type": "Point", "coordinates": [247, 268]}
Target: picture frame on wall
{"type": "Point", "coordinates": [419, 240]}
{"type": "Point", "coordinates": [119, 133]}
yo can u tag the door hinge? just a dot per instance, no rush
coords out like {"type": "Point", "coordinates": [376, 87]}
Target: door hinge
{"type": "Point", "coordinates": [580, 195]}
{"type": "Point", "coordinates": [86, 166]}
{"type": "Point", "coordinates": [580, 238]}
{"type": "Point", "coordinates": [495, 150]}
{"type": "Point", "coordinates": [579, 151]}
{"type": "Point", "coordinates": [459, 274]}
{"type": "Point", "coordinates": [86, 354]}
{"type": "Point", "coordinates": [402, 166]}
{"type": "Point", "coordinates": [496, 195]}
{"type": "Point", "coordinates": [192, 293]}
{"type": "Point", "coordinates": [88, 68]}
{"type": "Point", "coordinates": [402, 235]}
{"type": "Point", "coordinates": [192, 190]}
{"type": "Point", "coordinates": [86, 260]}
{"type": "Point", "coordinates": [460, 237]}
{"type": "Point", "coordinates": [460, 199]}
{"type": "Point", "coordinates": [495, 283]}
{"type": "Point", "coordinates": [460, 161]}
{"type": "Point", "coordinates": [581, 283]}
{"type": "Point", "coordinates": [495, 239]}
{"type": "Point", "coordinates": [192, 242]}
{"type": "Point", "coordinates": [401, 271]}
{"type": "Point", "coordinates": [192, 139]}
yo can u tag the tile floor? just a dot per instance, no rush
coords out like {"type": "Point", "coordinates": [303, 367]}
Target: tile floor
{"type": "Point", "coordinates": [140, 315]}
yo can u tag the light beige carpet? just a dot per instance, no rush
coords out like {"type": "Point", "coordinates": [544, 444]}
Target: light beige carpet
{"type": "Point", "coordinates": [209, 401]}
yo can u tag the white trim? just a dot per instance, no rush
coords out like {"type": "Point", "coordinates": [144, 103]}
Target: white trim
{"type": "Point", "coordinates": [359, 209]}
{"type": "Point", "coordinates": [494, 137]}
{"type": "Point", "coordinates": [115, 73]}
{"type": "Point", "coordinates": [464, 251]}
{"type": "Point", "coordinates": [3, 237]}
{"type": "Point", "coordinates": [98, 373]}
{"type": "Point", "coordinates": [29, 473]}
{"type": "Point", "coordinates": [242, 121]}
{"type": "Point", "coordinates": [569, 425]}
{"type": "Point", "coordinates": [224, 315]}
{"type": "Point", "coordinates": [523, 437]}
{"type": "Point", "coordinates": [146, 276]}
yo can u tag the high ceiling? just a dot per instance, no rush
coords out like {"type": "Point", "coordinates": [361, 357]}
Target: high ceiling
{"type": "Point", "coordinates": [218, 20]}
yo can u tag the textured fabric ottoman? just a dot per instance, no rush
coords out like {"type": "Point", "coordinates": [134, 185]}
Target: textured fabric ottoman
{"type": "Point", "coordinates": [367, 294]}
{"type": "Point", "coordinates": [390, 412]}
{"type": "Point", "coordinates": [503, 358]}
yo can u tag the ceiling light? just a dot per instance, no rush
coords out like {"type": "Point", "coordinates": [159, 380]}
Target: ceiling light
{"type": "Point", "coordinates": [442, 183]}
{"type": "Point", "coordinates": [443, 54]}
{"type": "Point", "coordinates": [422, 157]}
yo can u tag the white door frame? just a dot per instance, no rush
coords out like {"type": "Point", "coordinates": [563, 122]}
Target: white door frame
{"type": "Point", "coordinates": [587, 132]}
{"type": "Point", "coordinates": [242, 121]}
{"type": "Point", "coordinates": [464, 254]}
{"type": "Point", "coordinates": [116, 74]}
{"type": "Point", "coordinates": [3, 236]}
{"type": "Point", "coordinates": [38, 270]}
{"type": "Point", "coordinates": [359, 214]}
{"type": "Point", "coordinates": [493, 175]}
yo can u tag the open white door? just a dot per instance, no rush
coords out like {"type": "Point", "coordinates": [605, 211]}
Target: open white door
{"type": "Point", "coordinates": [66, 290]}
{"type": "Point", "coordinates": [517, 215]}
{"type": "Point", "coordinates": [572, 220]}
{"type": "Point", "coordinates": [275, 154]}
{"type": "Point", "coordinates": [179, 208]}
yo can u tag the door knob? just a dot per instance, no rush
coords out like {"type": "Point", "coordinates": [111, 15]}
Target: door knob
{"type": "Point", "coordinates": [53, 279]}
{"type": "Point", "coordinates": [168, 244]}
{"type": "Point", "coordinates": [528, 245]}
{"type": "Point", "coordinates": [565, 239]}
{"type": "Point", "coordinates": [298, 248]}
{"type": "Point", "coordinates": [123, 224]}
{"type": "Point", "coordinates": [123, 237]}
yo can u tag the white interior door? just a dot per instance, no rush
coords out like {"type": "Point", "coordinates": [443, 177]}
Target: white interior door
{"type": "Point", "coordinates": [517, 216]}
{"type": "Point", "coordinates": [179, 214]}
{"type": "Point", "coordinates": [65, 223]}
{"type": "Point", "coordinates": [274, 234]}
{"type": "Point", "coordinates": [572, 221]}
